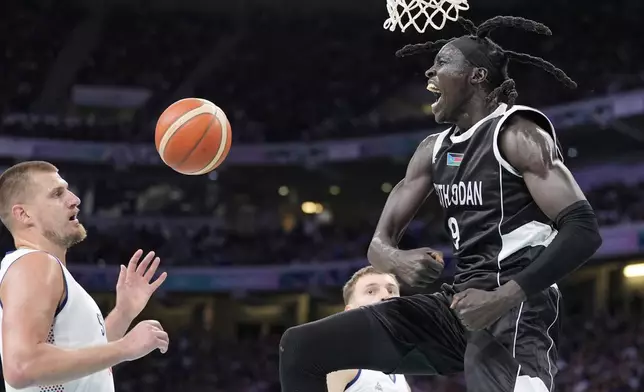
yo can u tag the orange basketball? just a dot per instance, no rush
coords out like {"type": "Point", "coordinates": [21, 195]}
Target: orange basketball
{"type": "Point", "coordinates": [193, 136]}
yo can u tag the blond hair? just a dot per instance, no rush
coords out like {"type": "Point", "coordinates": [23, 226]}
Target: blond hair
{"type": "Point", "coordinates": [350, 286]}
{"type": "Point", "coordinates": [15, 181]}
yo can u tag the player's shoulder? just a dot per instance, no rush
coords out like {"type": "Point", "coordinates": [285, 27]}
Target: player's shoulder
{"type": "Point", "coordinates": [429, 147]}
{"type": "Point", "coordinates": [369, 379]}
{"type": "Point", "coordinates": [341, 380]}
{"type": "Point", "coordinates": [527, 146]}
{"type": "Point", "coordinates": [430, 140]}
{"type": "Point", "coordinates": [32, 272]}
{"type": "Point", "coordinates": [344, 374]}
{"type": "Point", "coordinates": [526, 123]}
{"type": "Point", "coordinates": [526, 119]}
{"type": "Point", "coordinates": [33, 265]}
{"type": "Point", "coordinates": [29, 257]}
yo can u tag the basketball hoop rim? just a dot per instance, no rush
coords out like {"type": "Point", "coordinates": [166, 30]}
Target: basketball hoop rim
{"type": "Point", "coordinates": [408, 13]}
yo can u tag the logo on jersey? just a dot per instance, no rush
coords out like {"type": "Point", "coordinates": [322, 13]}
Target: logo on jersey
{"type": "Point", "coordinates": [454, 159]}
{"type": "Point", "coordinates": [378, 387]}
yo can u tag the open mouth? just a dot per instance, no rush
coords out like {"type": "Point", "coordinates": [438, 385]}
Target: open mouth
{"type": "Point", "coordinates": [73, 218]}
{"type": "Point", "coordinates": [433, 88]}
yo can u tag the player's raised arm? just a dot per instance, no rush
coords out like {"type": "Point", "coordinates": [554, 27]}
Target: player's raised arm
{"type": "Point", "coordinates": [133, 291]}
{"type": "Point", "coordinates": [532, 152]}
{"type": "Point", "coordinates": [401, 206]}
{"type": "Point", "coordinates": [31, 292]}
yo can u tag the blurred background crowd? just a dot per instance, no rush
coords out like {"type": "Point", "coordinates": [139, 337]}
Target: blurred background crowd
{"type": "Point", "coordinates": [324, 119]}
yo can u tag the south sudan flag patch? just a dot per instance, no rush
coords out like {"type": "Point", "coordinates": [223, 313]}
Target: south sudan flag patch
{"type": "Point", "coordinates": [454, 159]}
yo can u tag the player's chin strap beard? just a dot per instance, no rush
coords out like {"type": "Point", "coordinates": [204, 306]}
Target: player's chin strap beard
{"type": "Point", "coordinates": [64, 242]}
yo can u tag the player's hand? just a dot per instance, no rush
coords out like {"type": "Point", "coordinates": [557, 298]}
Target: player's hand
{"type": "Point", "coordinates": [134, 287]}
{"type": "Point", "coordinates": [478, 309]}
{"type": "Point", "coordinates": [144, 338]}
{"type": "Point", "coordinates": [418, 267]}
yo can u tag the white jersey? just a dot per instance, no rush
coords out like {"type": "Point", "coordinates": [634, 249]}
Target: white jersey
{"type": "Point", "coordinates": [78, 323]}
{"type": "Point", "coordinates": [373, 381]}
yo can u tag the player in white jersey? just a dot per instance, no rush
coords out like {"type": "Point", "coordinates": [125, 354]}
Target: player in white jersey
{"type": "Point", "coordinates": [53, 335]}
{"type": "Point", "coordinates": [366, 287]}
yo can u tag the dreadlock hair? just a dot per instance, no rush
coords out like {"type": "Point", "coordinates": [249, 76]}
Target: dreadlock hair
{"type": "Point", "coordinates": [493, 55]}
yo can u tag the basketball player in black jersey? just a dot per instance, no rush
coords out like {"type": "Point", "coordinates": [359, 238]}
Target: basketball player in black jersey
{"type": "Point", "coordinates": [518, 221]}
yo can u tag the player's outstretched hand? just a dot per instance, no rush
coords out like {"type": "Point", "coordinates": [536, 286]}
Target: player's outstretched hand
{"type": "Point", "coordinates": [418, 267]}
{"type": "Point", "coordinates": [478, 309]}
{"type": "Point", "coordinates": [135, 285]}
{"type": "Point", "coordinates": [144, 338]}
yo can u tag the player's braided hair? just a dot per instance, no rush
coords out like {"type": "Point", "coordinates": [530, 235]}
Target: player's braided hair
{"type": "Point", "coordinates": [505, 90]}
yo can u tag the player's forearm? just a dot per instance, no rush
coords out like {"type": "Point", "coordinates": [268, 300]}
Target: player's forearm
{"type": "Point", "coordinates": [116, 325]}
{"type": "Point", "coordinates": [380, 254]}
{"type": "Point", "coordinates": [577, 240]}
{"type": "Point", "coordinates": [389, 230]}
{"type": "Point", "coordinates": [403, 203]}
{"type": "Point", "coordinates": [48, 364]}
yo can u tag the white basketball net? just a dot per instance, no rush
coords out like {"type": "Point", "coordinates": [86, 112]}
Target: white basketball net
{"type": "Point", "coordinates": [422, 13]}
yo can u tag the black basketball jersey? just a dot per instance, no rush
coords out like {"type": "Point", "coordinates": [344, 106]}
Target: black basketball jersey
{"type": "Point", "coordinates": [495, 225]}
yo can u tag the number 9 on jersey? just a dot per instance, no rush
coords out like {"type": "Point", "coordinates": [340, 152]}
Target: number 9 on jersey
{"type": "Point", "coordinates": [453, 229]}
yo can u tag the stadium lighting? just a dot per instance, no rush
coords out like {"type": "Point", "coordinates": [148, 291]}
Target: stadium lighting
{"type": "Point", "coordinates": [334, 190]}
{"type": "Point", "coordinates": [386, 187]}
{"type": "Point", "coordinates": [634, 270]}
{"type": "Point", "coordinates": [283, 190]}
{"type": "Point", "coordinates": [309, 207]}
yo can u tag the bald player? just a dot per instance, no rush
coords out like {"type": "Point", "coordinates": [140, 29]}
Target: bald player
{"type": "Point", "coordinates": [366, 287]}
{"type": "Point", "coordinates": [53, 335]}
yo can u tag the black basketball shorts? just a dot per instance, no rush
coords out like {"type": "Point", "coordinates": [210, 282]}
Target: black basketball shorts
{"type": "Point", "coordinates": [518, 353]}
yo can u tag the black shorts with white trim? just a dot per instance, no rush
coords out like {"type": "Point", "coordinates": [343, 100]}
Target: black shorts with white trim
{"type": "Point", "coordinates": [518, 353]}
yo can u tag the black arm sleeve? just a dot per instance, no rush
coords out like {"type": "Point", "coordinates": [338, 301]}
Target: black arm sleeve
{"type": "Point", "coordinates": [578, 239]}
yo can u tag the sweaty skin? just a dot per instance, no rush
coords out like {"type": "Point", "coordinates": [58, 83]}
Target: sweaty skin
{"type": "Point", "coordinates": [526, 147]}
{"type": "Point", "coordinates": [464, 91]}
{"type": "Point", "coordinates": [417, 266]}
{"type": "Point", "coordinates": [532, 152]}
